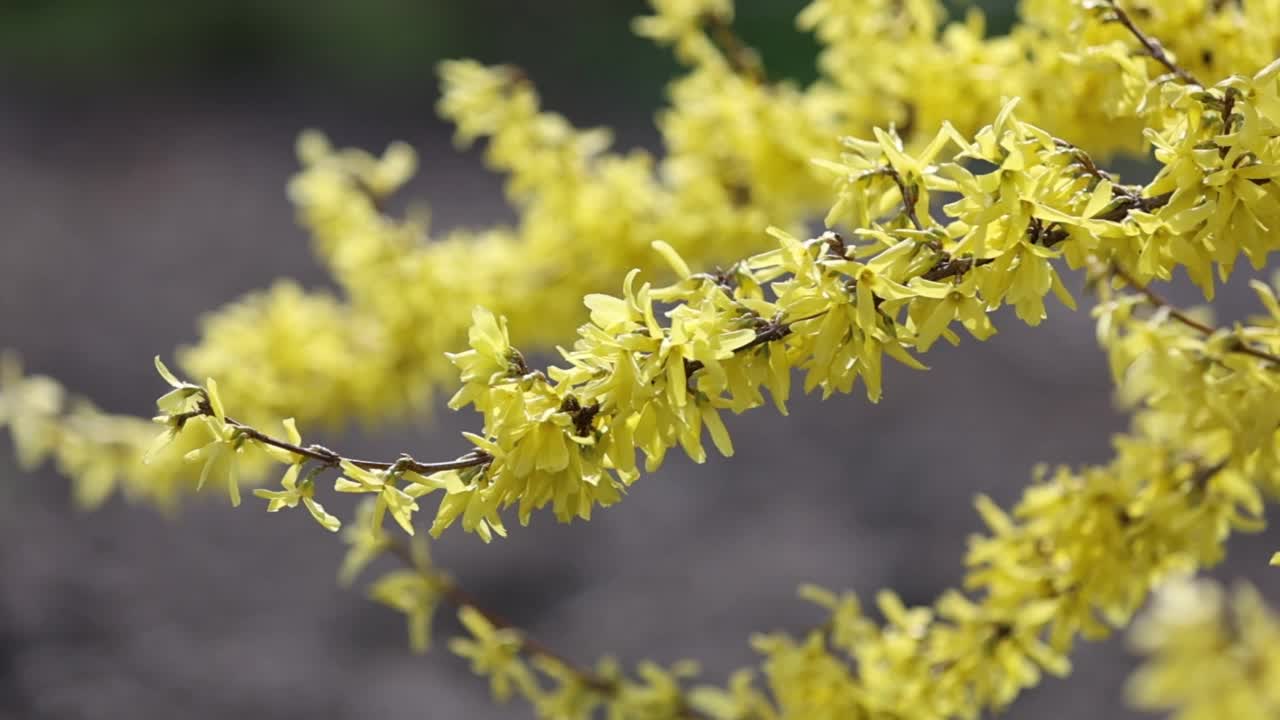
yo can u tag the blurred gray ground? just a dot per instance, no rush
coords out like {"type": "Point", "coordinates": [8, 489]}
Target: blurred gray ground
{"type": "Point", "coordinates": [124, 219]}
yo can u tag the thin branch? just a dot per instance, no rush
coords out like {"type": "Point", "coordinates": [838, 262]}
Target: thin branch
{"type": "Point", "coordinates": [1152, 46]}
{"type": "Point", "coordinates": [742, 57]}
{"type": "Point", "coordinates": [953, 267]}
{"type": "Point", "coordinates": [1158, 301]}
{"type": "Point", "coordinates": [324, 455]}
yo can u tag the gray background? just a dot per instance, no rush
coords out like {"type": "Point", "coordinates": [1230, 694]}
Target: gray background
{"type": "Point", "coordinates": [130, 208]}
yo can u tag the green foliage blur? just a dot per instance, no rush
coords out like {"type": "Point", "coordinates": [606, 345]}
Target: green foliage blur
{"type": "Point", "coordinates": [571, 47]}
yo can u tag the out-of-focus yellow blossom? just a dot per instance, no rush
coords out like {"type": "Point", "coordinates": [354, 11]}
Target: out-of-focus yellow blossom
{"type": "Point", "coordinates": [365, 541]}
{"type": "Point", "coordinates": [29, 407]}
{"type": "Point", "coordinates": [416, 595]}
{"type": "Point", "coordinates": [415, 591]}
{"type": "Point", "coordinates": [681, 24]}
{"type": "Point", "coordinates": [494, 652]}
{"type": "Point", "coordinates": [102, 452]}
{"type": "Point", "coordinates": [1209, 654]}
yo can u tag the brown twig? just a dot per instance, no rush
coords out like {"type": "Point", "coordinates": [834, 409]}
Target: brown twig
{"type": "Point", "coordinates": [742, 57]}
{"type": "Point", "coordinates": [949, 267]}
{"type": "Point", "coordinates": [1152, 46]}
{"type": "Point", "coordinates": [1158, 301]}
{"type": "Point", "coordinates": [324, 455]}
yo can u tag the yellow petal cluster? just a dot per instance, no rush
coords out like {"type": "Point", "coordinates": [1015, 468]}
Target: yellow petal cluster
{"type": "Point", "coordinates": [1209, 654]}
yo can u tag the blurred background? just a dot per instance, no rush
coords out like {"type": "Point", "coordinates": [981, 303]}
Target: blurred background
{"type": "Point", "coordinates": [144, 148]}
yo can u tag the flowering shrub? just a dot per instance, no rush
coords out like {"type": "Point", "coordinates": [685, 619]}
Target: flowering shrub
{"type": "Point", "coordinates": [944, 201]}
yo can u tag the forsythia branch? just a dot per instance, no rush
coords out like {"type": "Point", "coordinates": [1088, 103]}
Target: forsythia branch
{"type": "Point", "coordinates": [1159, 302]}
{"type": "Point", "coordinates": [1152, 46]}
{"type": "Point", "coordinates": [939, 227]}
{"type": "Point", "coordinates": [329, 458]}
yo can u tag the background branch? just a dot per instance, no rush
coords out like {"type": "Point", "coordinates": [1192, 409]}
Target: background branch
{"type": "Point", "coordinates": [1153, 46]}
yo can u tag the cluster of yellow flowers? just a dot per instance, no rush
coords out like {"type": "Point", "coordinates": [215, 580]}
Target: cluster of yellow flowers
{"type": "Point", "coordinates": [100, 451]}
{"type": "Point", "coordinates": [1211, 655]}
{"type": "Point", "coordinates": [969, 195]}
